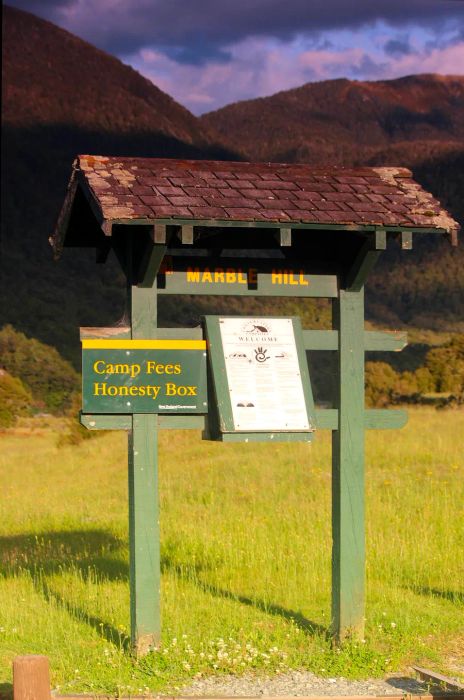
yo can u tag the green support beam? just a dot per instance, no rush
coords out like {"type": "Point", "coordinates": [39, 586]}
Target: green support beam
{"type": "Point", "coordinates": [365, 260]}
{"type": "Point", "coordinates": [144, 535]}
{"type": "Point", "coordinates": [348, 548]}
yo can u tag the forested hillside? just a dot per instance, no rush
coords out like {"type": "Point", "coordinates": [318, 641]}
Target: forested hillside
{"type": "Point", "coordinates": [418, 122]}
{"type": "Point", "coordinates": [348, 122]}
{"type": "Point", "coordinates": [62, 96]}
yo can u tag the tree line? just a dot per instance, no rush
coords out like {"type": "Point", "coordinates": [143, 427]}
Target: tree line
{"type": "Point", "coordinates": [35, 379]}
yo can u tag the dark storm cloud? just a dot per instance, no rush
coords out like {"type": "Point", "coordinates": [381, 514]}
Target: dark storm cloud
{"type": "Point", "coordinates": [44, 8]}
{"type": "Point", "coordinates": [197, 31]}
{"type": "Point", "coordinates": [398, 47]}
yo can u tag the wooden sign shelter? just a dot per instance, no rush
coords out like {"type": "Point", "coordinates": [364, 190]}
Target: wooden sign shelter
{"type": "Point", "coordinates": [223, 228]}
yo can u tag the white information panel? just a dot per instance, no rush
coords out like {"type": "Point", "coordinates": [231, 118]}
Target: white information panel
{"type": "Point", "coordinates": [263, 374]}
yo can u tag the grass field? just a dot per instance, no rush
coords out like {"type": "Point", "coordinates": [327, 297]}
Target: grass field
{"type": "Point", "coordinates": [245, 556]}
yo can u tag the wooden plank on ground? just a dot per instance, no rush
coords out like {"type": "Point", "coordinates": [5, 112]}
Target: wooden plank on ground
{"type": "Point", "coordinates": [438, 679]}
{"type": "Point", "coordinates": [31, 678]}
{"type": "Point", "coordinates": [397, 696]}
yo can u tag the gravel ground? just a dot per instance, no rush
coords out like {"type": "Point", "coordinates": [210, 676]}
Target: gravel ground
{"type": "Point", "coordinates": [300, 683]}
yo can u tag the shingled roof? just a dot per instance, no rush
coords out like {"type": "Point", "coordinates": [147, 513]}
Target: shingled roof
{"type": "Point", "coordinates": [122, 190]}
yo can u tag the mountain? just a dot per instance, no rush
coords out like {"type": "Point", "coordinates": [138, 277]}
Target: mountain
{"type": "Point", "coordinates": [62, 96]}
{"type": "Point", "coordinates": [51, 77]}
{"type": "Point", "coordinates": [417, 122]}
{"type": "Point", "coordinates": [346, 122]}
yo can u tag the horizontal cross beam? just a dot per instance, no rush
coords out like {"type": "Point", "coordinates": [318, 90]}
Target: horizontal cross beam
{"type": "Point", "coordinates": [326, 419]}
{"type": "Point", "coordinates": [313, 339]}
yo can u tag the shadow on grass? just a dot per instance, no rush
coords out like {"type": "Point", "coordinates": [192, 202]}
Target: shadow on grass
{"type": "Point", "coordinates": [453, 596]}
{"type": "Point", "coordinates": [110, 633]}
{"type": "Point", "coordinates": [68, 550]}
{"type": "Point", "coordinates": [190, 573]}
{"type": "Point", "coordinates": [88, 552]}
{"type": "Point", "coordinates": [6, 691]}
{"type": "Point", "coordinates": [100, 553]}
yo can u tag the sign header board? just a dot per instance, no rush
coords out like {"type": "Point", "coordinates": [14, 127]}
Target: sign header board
{"type": "Point", "coordinates": [260, 375]}
{"type": "Point", "coordinates": [144, 376]}
{"type": "Point", "coordinates": [199, 275]}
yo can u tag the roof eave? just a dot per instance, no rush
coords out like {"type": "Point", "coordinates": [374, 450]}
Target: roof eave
{"type": "Point", "coordinates": [77, 181]}
{"type": "Point", "coordinates": [107, 224]}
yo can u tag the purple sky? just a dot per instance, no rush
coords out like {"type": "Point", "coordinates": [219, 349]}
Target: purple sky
{"type": "Point", "coordinates": [208, 53]}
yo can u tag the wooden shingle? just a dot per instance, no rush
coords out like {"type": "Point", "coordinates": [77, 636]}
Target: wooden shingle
{"type": "Point", "coordinates": [124, 190]}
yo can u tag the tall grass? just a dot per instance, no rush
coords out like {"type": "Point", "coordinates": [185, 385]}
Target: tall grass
{"type": "Point", "coordinates": [245, 556]}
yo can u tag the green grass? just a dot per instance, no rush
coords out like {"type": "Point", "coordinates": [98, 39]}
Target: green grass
{"type": "Point", "coordinates": [245, 556]}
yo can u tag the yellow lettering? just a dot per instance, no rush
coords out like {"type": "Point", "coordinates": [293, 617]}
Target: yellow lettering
{"type": "Point", "coordinates": [112, 390]}
{"type": "Point", "coordinates": [241, 279]}
{"type": "Point", "coordinates": [99, 389]}
{"type": "Point", "coordinates": [177, 369]}
{"type": "Point", "coordinates": [231, 276]}
{"type": "Point", "coordinates": [303, 282]}
{"type": "Point", "coordinates": [206, 276]}
{"type": "Point", "coordinates": [276, 277]}
{"type": "Point", "coordinates": [96, 369]}
{"type": "Point", "coordinates": [193, 275]}
{"type": "Point", "coordinates": [159, 368]}
{"type": "Point", "coordinates": [219, 274]}
{"type": "Point", "coordinates": [174, 390]}
{"type": "Point", "coordinates": [291, 279]}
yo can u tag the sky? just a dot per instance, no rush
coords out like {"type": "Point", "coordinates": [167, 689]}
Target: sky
{"type": "Point", "coordinates": [209, 53]}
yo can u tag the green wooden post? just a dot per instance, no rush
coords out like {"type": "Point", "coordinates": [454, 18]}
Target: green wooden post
{"type": "Point", "coordinates": [348, 552]}
{"type": "Point", "coordinates": [144, 536]}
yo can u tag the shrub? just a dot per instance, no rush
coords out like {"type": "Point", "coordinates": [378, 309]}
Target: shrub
{"type": "Point", "coordinates": [446, 366]}
{"type": "Point", "coordinates": [50, 379]}
{"type": "Point", "coordinates": [381, 381]}
{"type": "Point", "coordinates": [75, 432]}
{"type": "Point", "coordinates": [15, 399]}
